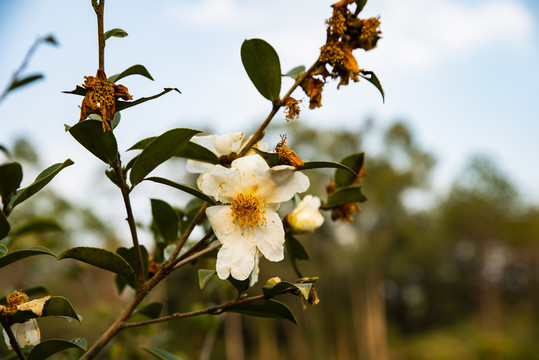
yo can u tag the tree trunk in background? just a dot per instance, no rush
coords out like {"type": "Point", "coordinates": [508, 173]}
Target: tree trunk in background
{"type": "Point", "coordinates": [370, 318]}
{"type": "Point", "coordinates": [233, 337]}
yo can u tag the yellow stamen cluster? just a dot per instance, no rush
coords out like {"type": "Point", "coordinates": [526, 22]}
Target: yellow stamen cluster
{"type": "Point", "coordinates": [369, 32]}
{"type": "Point", "coordinates": [248, 211]}
{"type": "Point", "coordinates": [16, 298]}
{"type": "Point", "coordinates": [103, 94]}
{"type": "Point", "coordinates": [332, 53]}
{"type": "Point", "coordinates": [336, 23]}
{"type": "Point", "coordinates": [291, 109]}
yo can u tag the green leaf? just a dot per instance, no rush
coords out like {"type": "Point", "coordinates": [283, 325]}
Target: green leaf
{"type": "Point", "coordinates": [264, 308]}
{"type": "Point", "coordinates": [47, 348]}
{"type": "Point", "coordinates": [119, 33]}
{"type": "Point", "coordinates": [3, 250]}
{"type": "Point", "coordinates": [158, 151]}
{"type": "Point", "coordinates": [10, 180]}
{"type": "Point", "coordinates": [21, 254]}
{"type": "Point", "coordinates": [354, 162]}
{"type": "Point", "coordinates": [51, 40]}
{"type": "Point", "coordinates": [133, 70]}
{"type": "Point", "coordinates": [325, 164]}
{"type": "Point", "coordinates": [274, 290]}
{"type": "Point", "coordinates": [295, 249]}
{"type": "Point", "coordinates": [304, 289]}
{"type": "Point", "coordinates": [361, 4]}
{"type": "Point", "coordinates": [240, 285]}
{"type": "Point", "coordinates": [90, 134]}
{"type": "Point", "coordinates": [131, 258]}
{"type": "Point", "coordinates": [36, 225]}
{"type": "Point", "coordinates": [120, 283]}
{"type": "Point", "coordinates": [343, 196]}
{"type": "Point", "coordinates": [191, 150]}
{"type": "Point", "coordinates": [204, 275]}
{"type": "Point", "coordinates": [39, 183]}
{"type": "Point", "coordinates": [296, 72]}
{"type": "Point", "coordinates": [151, 311]}
{"type": "Point", "coordinates": [57, 306]}
{"type": "Point", "coordinates": [79, 90]}
{"type": "Point", "coordinates": [199, 194]}
{"type": "Point", "coordinates": [115, 120]}
{"type": "Point", "coordinates": [101, 258]}
{"type": "Point", "coordinates": [24, 81]}
{"type": "Point", "coordinates": [166, 219]}
{"type": "Point", "coordinates": [272, 158]}
{"type": "Point", "coordinates": [4, 226]}
{"type": "Point", "coordinates": [261, 63]}
{"type": "Point", "coordinates": [161, 354]}
{"type": "Point", "coordinates": [122, 105]}
{"type": "Point", "coordinates": [371, 77]}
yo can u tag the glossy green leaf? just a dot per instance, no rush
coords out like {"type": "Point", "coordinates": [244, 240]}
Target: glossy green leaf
{"type": "Point", "coordinates": [191, 151]}
{"type": "Point", "coordinates": [161, 354]}
{"type": "Point", "coordinates": [122, 105]}
{"type": "Point", "coordinates": [158, 151]}
{"type": "Point", "coordinates": [100, 258]}
{"type": "Point", "coordinates": [119, 33]}
{"type": "Point", "coordinates": [295, 249]}
{"type": "Point", "coordinates": [352, 161]}
{"type": "Point", "coordinates": [24, 81]}
{"type": "Point", "coordinates": [343, 196]}
{"type": "Point", "coordinates": [79, 90]}
{"type": "Point", "coordinates": [304, 289]}
{"type": "Point", "coordinates": [4, 226]}
{"type": "Point", "coordinates": [133, 70]}
{"type": "Point", "coordinates": [36, 225]}
{"type": "Point", "coordinates": [131, 258]}
{"type": "Point", "coordinates": [151, 310]}
{"type": "Point", "coordinates": [116, 120]}
{"type": "Point", "coordinates": [361, 4]}
{"type": "Point", "coordinates": [296, 72]}
{"type": "Point", "coordinates": [274, 290]}
{"type": "Point", "coordinates": [57, 306]}
{"type": "Point", "coordinates": [325, 164]}
{"type": "Point", "coordinates": [264, 308]}
{"type": "Point", "coordinates": [204, 275]}
{"type": "Point", "coordinates": [120, 283]}
{"type": "Point", "coordinates": [47, 348]}
{"type": "Point", "coordinates": [39, 183]}
{"type": "Point", "coordinates": [21, 254]}
{"type": "Point", "coordinates": [10, 179]}
{"type": "Point", "coordinates": [3, 250]}
{"type": "Point", "coordinates": [190, 190]}
{"type": "Point", "coordinates": [90, 134]}
{"type": "Point", "coordinates": [261, 63]}
{"type": "Point", "coordinates": [166, 219]}
{"type": "Point", "coordinates": [272, 158]}
{"type": "Point", "coordinates": [240, 285]}
{"type": "Point", "coordinates": [373, 79]}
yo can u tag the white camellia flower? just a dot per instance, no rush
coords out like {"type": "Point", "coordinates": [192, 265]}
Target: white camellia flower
{"type": "Point", "coordinates": [306, 217]}
{"type": "Point", "coordinates": [26, 333]}
{"type": "Point", "coordinates": [220, 145]}
{"type": "Point", "coordinates": [248, 222]}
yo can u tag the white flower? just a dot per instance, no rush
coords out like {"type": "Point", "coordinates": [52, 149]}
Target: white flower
{"type": "Point", "coordinates": [220, 145]}
{"type": "Point", "coordinates": [306, 217]}
{"type": "Point", "coordinates": [26, 333]}
{"type": "Point", "coordinates": [248, 222]}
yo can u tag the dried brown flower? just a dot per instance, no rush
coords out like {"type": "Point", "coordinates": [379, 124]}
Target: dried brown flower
{"type": "Point", "coordinates": [313, 88]}
{"type": "Point", "coordinates": [291, 109]}
{"type": "Point", "coordinates": [287, 156]}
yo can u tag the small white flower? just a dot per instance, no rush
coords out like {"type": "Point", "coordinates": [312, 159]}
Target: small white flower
{"type": "Point", "coordinates": [306, 217]}
{"type": "Point", "coordinates": [26, 333]}
{"type": "Point", "coordinates": [220, 145]}
{"type": "Point", "coordinates": [248, 223]}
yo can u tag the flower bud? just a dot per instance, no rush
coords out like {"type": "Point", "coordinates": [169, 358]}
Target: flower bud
{"type": "Point", "coordinates": [306, 217]}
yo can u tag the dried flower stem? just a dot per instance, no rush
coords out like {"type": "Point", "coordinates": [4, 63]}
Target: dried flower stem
{"type": "Point", "coordinates": [276, 106]}
{"type": "Point", "coordinates": [12, 339]}
{"type": "Point", "coordinates": [100, 34]}
{"type": "Point", "coordinates": [210, 310]}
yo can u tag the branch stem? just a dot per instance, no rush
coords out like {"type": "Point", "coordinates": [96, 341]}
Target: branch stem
{"type": "Point", "coordinates": [12, 339]}
{"type": "Point", "coordinates": [100, 34]}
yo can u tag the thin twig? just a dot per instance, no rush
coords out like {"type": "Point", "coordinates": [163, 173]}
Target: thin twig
{"type": "Point", "coordinates": [100, 34]}
{"type": "Point", "coordinates": [130, 220]}
{"type": "Point", "coordinates": [210, 310]}
{"type": "Point", "coordinates": [276, 106]}
{"type": "Point", "coordinates": [195, 247]}
{"type": "Point", "coordinates": [12, 339]}
{"type": "Point", "coordinates": [187, 260]}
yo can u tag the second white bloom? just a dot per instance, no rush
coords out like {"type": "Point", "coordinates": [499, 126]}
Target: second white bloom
{"type": "Point", "coordinates": [251, 192]}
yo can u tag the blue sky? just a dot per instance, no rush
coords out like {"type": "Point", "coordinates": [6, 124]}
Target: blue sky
{"type": "Point", "coordinates": [463, 74]}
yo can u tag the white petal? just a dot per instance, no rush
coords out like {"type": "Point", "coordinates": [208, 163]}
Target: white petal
{"type": "Point", "coordinates": [220, 182]}
{"type": "Point", "coordinates": [283, 183]}
{"type": "Point", "coordinates": [226, 144]}
{"type": "Point", "coordinates": [26, 333]}
{"type": "Point", "coordinates": [256, 269]}
{"type": "Point", "coordinates": [306, 217]}
{"type": "Point", "coordinates": [270, 238]}
{"type": "Point", "coordinates": [198, 167]}
{"type": "Point", "coordinates": [208, 141]}
{"type": "Point", "coordinates": [236, 256]}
